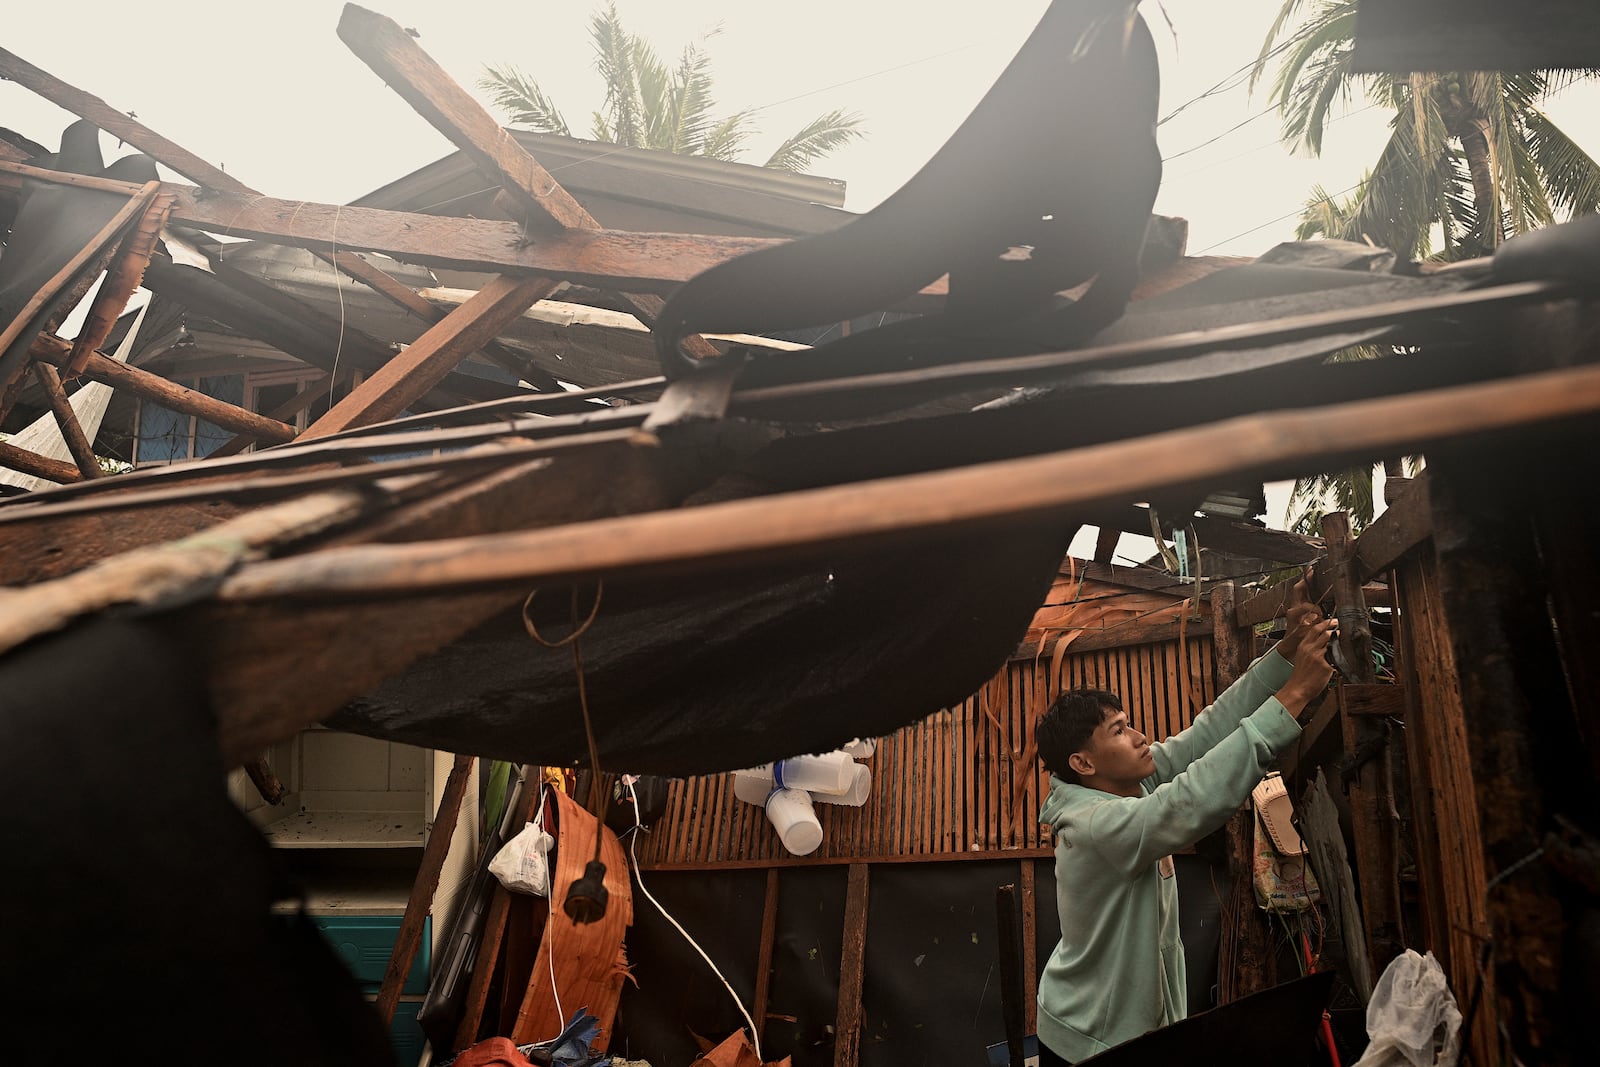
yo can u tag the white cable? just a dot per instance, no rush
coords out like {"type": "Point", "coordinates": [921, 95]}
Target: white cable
{"type": "Point", "coordinates": [638, 825]}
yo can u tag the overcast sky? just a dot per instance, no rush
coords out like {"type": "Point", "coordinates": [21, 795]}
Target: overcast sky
{"type": "Point", "coordinates": [271, 94]}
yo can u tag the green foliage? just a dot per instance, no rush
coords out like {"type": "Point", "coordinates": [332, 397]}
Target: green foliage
{"type": "Point", "coordinates": [1468, 151]}
{"type": "Point", "coordinates": [649, 104]}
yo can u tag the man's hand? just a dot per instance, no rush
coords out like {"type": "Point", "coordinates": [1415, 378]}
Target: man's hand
{"type": "Point", "coordinates": [1300, 616]}
{"type": "Point", "coordinates": [1312, 671]}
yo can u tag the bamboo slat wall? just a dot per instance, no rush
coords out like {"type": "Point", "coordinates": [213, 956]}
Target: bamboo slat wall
{"type": "Point", "coordinates": [947, 787]}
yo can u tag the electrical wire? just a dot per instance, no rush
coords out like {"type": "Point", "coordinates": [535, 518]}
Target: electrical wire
{"type": "Point", "coordinates": [638, 827]}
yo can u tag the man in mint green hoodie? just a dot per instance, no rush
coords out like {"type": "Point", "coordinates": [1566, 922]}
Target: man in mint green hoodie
{"type": "Point", "coordinates": [1121, 806]}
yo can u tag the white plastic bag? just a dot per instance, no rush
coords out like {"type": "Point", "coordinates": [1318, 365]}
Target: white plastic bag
{"type": "Point", "coordinates": [522, 865]}
{"type": "Point", "coordinates": [1411, 1012]}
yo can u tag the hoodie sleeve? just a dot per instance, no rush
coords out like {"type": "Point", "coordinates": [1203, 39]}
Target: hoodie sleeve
{"type": "Point", "coordinates": [1133, 832]}
{"type": "Point", "coordinates": [1264, 677]}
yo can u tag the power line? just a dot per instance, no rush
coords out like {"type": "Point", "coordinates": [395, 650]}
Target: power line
{"type": "Point", "coordinates": [1224, 85]}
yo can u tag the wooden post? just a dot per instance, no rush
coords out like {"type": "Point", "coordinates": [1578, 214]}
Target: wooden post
{"type": "Point", "coordinates": [1030, 949]}
{"type": "Point", "coordinates": [769, 930]}
{"type": "Point", "coordinates": [1373, 820]}
{"type": "Point", "coordinates": [1445, 817]}
{"type": "Point", "coordinates": [847, 1028]}
{"type": "Point", "coordinates": [1520, 736]}
{"type": "Point", "coordinates": [421, 899]}
{"type": "Point", "coordinates": [1247, 962]}
{"type": "Point", "coordinates": [67, 421]}
{"type": "Point", "coordinates": [1011, 1007]}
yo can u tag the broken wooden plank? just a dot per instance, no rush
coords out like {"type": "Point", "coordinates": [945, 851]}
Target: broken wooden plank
{"type": "Point", "coordinates": [178, 568]}
{"type": "Point", "coordinates": [24, 319]}
{"type": "Point", "coordinates": [408, 377]}
{"type": "Point", "coordinates": [1404, 525]}
{"type": "Point", "coordinates": [119, 284]}
{"type": "Point", "coordinates": [141, 383]}
{"type": "Point", "coordinates": [67, 421]}
{"type": "Point", "coordinates": [871, 511]}
{"type": "Point", "coordinates": [31, 463]}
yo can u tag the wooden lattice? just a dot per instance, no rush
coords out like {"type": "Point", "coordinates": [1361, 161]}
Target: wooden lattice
{"type": "Point", "coordinates": [961, 784]}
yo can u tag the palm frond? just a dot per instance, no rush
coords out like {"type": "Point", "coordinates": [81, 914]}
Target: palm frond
{"type": "Point", "coordinates": [727, 138]}
{"type": "Point", "coordinates": [821, 136]}
{"type": "Point", "coordinates": [1571, 176]}
{"type": "Point", "coordinates": [522, 100]}
{"type": "Point", "coordinates": [614, 59]}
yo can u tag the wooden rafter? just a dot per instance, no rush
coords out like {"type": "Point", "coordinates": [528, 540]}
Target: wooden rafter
{"type": "Point", "coordinates": [641, 262]}
{"type": "Point", "coordinates": [31, 463]}
{"type": "Point", "coordinates": [67, 420]}
{"type": "Point", "coordinates": [867, 512]}
{"type": "Point", "coordinates": [406, 378]}
{"type": "Point", "coordinates": [9, 332]}
{"type": "Point", "coordinates": [141, 383]}
{"type": "Point", "coordinates": [120, 282]}
{"type": "Point", "coordinates": [535, 197]}
{"type": "Point", "coordinates": [186, 163]}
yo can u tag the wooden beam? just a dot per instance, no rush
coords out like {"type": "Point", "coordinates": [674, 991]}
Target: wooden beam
{"type": "Point", "coordinates": [120, 124]}
{"type": "Point", "coordinates": [420, 902]}
{"type": "Point", "coordinates": [533, 196]}
{"type": "Point", "coordinates": [852, 968]}
{"type": "Point", "coordinates": [621, 259]}
{"type": "Point", "coordinates": [67, 421]}
{"type": "Point", "coordinates": [120, 282]}
{"type": "Point", "coordinates": [102, 368]}
{"type": "Point", "coordinates": [1406, 524]}
{"type": "Point", "coordinates": [873, 511]}
{"type": "Point", "coordinates": [25, 462]}
{"type": "Point", "coordinates": [408, 377]}
{"type": "Point", "coordinates": [396, 57]}
{"type": "Point", "coordinates": [403, 296]}
{"type": "Point", "coordinates": [1374, 822]}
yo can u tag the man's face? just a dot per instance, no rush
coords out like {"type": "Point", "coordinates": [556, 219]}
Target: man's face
{"type": "Point", "coordinates": [1120, 753]}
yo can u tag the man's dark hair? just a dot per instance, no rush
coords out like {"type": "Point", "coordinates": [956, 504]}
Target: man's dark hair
{"type": "Point", "coordinates": [1067, 726]}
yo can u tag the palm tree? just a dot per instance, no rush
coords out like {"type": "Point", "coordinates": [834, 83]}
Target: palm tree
{"type": "Point", "coordinates": [1470, 152]}
{"type": "Point", "coordinates": [649, 105]}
